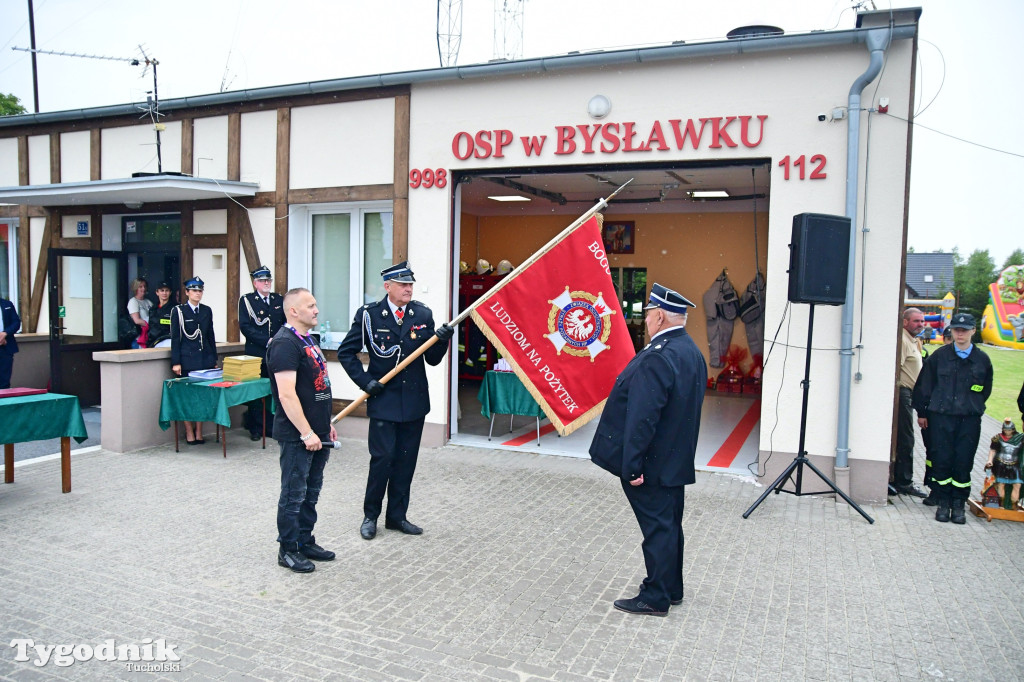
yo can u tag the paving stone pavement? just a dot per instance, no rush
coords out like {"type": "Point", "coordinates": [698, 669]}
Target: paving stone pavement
{"type": "Point", "coordinates": [513, 578]}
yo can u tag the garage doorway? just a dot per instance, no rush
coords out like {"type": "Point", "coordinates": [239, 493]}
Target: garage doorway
{"type": "Point", "coordinates": [681, 225]}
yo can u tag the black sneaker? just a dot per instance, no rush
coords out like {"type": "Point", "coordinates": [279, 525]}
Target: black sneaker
{"type": "Point", "coordinates": [295, 562]}
{"type": "Point", "coordinates": [316, 552]}
{"type": "Point", "coordinates": [638, 607]}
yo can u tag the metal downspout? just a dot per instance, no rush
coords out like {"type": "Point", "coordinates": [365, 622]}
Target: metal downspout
{"type": "Point", "coordinates": [877, 41]}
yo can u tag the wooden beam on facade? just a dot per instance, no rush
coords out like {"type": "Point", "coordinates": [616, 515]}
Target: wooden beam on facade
{"type": "Point", "coordinates": [248, 239]}
{"type": "Point", "coordinates": [234, 146]}
{"type": "Point", "coordinates": [323, 195]}
{"type": "Point", "coordinates": [400, 203]}
{"type": "Point", "coordinates": [95, 154]}
{"type": "Point", "coordinates": [210, 241]}
{"type": "Point", "coordinates": [54, 158]}
{"type": "Point", "coordinates": [39, 283]}
{"type": "Point", "coordinates": [187, 262]}
{"type": "Point", "coordinates": [231, 305]}
{"type": "Point", "coordinates": [187, 133]}
{"type": "Point", "coordinates": [23, 159]}
{"type": "Point", "coordinates": [283, 178]}
{"type": "Point", "coordinates": [24, 260]}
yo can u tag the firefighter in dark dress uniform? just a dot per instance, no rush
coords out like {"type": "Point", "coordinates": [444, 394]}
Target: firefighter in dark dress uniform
{"type": "Point", "coordinates": [260, 315]}
{"type": "Point", "coordinates": [193, 345]}
{"type": "Point", "coordinates": [160, 317]}
{"type": "Point", "coordinates": [390, 330]}
{"type": "Point", "coordinates": [647, 437]}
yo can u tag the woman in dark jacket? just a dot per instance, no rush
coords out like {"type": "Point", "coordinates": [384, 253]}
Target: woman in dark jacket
{"type": "Point", "coordinates": [160, 318]}
{"type": "Point", "coordinates": [193, 345]}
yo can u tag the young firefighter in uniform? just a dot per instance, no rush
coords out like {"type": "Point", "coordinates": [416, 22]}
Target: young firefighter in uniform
{"type": "Point", "coordinates": [193, 344]}
{"type": "Point", "coordinates": [160, 317]}
{"type": "Point", "coordinates": [390, 330]}
{"type": "Point", "coordinates": [951, 392]}
{"type": "Point", "coordinates": [260, 315]}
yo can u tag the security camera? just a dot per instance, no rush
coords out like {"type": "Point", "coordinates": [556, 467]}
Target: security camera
{"type": "Point", "coordinates": [822, 117]}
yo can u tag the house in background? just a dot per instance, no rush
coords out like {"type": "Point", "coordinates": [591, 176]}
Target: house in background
{"type": "Point", "coordinates": [929, 275]}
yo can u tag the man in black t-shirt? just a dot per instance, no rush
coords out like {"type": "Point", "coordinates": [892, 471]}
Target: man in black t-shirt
{"type": "Point", "coordinates": [302, 389]}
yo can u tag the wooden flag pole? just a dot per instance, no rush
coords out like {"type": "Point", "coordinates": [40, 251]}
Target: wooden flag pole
{"type": "Point", "coordinates": [603, 203]}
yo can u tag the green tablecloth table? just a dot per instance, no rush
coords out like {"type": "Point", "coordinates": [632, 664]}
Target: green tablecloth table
{"type": "Point", "coordinates": [41, 417]}
{"type": "Point", "coordinates": [200, 401]}
{"type": "Point", "coordinates": [503, 393]}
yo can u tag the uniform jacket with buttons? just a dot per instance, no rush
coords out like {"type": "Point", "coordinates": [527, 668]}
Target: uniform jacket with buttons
{"type": "Point", "coordinates": [197, 353]}
{"type": "Point", "coordinates": [259, 321]}
{"type": "Point", "coordinates": [651, 419]}
{"type": "Point", "coordinates": [10, 324]}
{"type": "Point", "coordinates": [375, 329]}
{"type": "Point", "coordinates": [951, 385]}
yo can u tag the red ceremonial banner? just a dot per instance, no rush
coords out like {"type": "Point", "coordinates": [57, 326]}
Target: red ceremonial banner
{"type": "Point", "coordinates": [560, 326]}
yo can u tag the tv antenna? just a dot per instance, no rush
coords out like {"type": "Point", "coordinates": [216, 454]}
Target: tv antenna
{"type": "Point", "coordinates": [151, 110]}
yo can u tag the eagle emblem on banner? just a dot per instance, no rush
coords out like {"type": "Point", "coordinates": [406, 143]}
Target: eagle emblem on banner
{"type": "Point", "coordinates": [579, 323]}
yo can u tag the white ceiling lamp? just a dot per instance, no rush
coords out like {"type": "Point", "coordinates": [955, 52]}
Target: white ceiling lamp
{"type": "Point", "coordinates": [709, 194]}
{"type": "Point", "coordinates": [509, 198]}
{"type": "Point", "coordinates": [599, 106]}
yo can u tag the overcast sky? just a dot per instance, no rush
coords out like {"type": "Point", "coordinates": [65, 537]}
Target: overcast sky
{"type": "Point", "coordinates": [962, 195]}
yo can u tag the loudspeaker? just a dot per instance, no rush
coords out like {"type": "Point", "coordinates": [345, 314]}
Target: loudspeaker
{"type": "Point", "coordinates": [819, 254]}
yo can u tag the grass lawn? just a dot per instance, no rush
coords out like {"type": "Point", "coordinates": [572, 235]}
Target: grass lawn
{"type": "Point", "coordinates": [1008, 373]}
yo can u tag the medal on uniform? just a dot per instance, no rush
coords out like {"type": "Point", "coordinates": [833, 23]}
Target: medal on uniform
{"type": "Point", "coordinates": [412, 335]}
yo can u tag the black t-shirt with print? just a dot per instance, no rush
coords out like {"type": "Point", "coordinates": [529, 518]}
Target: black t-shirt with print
{"type": "Point", "coordinates": [289, 352]}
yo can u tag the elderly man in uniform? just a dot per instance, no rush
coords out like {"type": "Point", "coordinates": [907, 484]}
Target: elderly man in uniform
{"type": "Point", "coordinates": [950, 399]}
{"type": "Point", "coordinates": [390, 330]}
{"type": "Point", "coordinates": [902, 466]}
{"type": "Point", "coordinates": [260, 315]}
{"type": "Point", "coordinates": [647, 437]}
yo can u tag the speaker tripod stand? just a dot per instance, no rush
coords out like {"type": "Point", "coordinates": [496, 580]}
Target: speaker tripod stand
{"type": "Point", "coordinates": [801, 460]}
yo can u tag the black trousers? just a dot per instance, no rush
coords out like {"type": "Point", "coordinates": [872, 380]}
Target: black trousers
{"type": "Point", "coordinates": [6, 367]}
{"type": "Point", "coordinates": [659, 511]}
{"type": "Point", "coordinates": [954, 446]}
{"type": "Point", "coordinates": [903, 462]}
{"type": "Point", "coordinates": [394, 448]}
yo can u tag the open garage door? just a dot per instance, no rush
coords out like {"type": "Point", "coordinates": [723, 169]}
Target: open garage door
{"type": "Point", "coordinates": [684, 226]}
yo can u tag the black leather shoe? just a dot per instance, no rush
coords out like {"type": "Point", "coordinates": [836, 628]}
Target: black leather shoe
{"type": "Point", "coordinates": [912, 490]}
{"type": "Point", "coordinates": [369, 528]}
{"type": "Point", "coordinates": [942, 513]}
{"type": "Point", "coordinates": [254, 436]}
{"type": "Point", "coordinates": [956, 513]}
{"type": "Point", "coordinates": [404, 526]}
{"type": "Point", "coordinates": [316, 552]}
{"type": "Point", "coordinates": [638, 607]}
{"type": "Point", "coordinates": [675, 602]}
{"type": "Point", "coordinates": [295, 562]}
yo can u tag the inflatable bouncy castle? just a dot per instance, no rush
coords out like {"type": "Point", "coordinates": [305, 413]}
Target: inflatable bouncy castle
{"type": "Point", "coordinates": [1003, 321]}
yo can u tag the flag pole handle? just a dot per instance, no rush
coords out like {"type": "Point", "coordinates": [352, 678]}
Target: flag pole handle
{"type": "Point", "coordinates": [601, 204]}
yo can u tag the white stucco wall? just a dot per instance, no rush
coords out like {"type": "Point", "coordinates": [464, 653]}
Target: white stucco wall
{"type": "Point", "coordinates": [69, 225]}
{"type": "Point", "coordinates": [210, 147]}
{"type": "Point", "coordinates": [259, 149]}
{"type": "Point", "coordinates": [9, 162]}
{"type": "Point", "coordinates": [791, 88]}
{"type": "Point", "coordinates": [213, 221]}
{"type": "Point", "coordinates": [74, 156]}
{"type": "Point", "coordinates": [211, 266]}
{"type": "Point", "coordinates": [38, 160]}
{"type": "Point", "coordinates": [351, 143]}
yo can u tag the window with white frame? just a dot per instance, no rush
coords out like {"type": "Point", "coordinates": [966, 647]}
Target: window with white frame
{"type": "Point", "coordinates": [347, 247]}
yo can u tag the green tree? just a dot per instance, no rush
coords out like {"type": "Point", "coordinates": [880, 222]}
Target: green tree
{"type": "Point", "coordinates": [1015, 258]}
{"type": "Point", "coordinates": [10, 105]}
{"type": "Point", "coordinates": [972, 279]}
